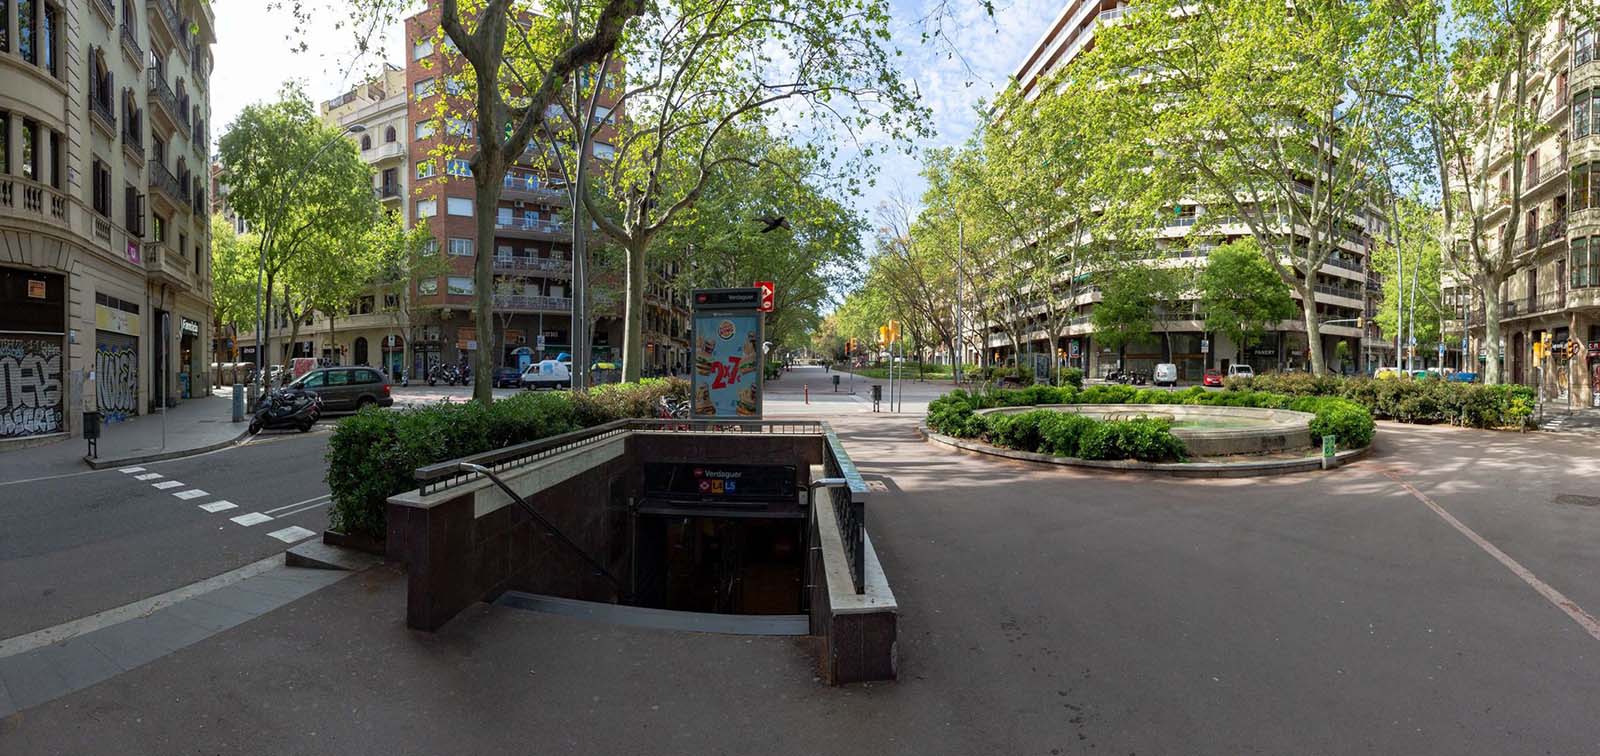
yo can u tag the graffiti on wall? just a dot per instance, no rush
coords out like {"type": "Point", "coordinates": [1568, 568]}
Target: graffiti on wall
{"type": "Point", "coordinates": [116, 373]}
{"type": "Point", "coordinates": [30, 386]}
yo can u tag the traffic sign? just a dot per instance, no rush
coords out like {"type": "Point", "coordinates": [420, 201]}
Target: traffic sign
{"type": "Point", "coordinates": [768, 292]}
{"type": "Point", "coordinates": [1205, 346]}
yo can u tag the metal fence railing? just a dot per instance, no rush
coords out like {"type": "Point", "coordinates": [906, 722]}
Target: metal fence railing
{"type": "Point", "coordinates": [850, 507]}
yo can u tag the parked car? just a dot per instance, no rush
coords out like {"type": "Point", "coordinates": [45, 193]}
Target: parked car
{"type": "Point", "coordinates": [344, 389]}
{"type": "Point", "coordinates": [1389, 373]}
{"type": "Point", "coordinates": [1166, 374]}
{"type": "Point", "coordinates": [1241, 371]}
{"type": "Point", "coordinates": [507, 377]}
{"type": "Point", "coordinates": [1462, 376]}
{"type": "Point", "coordinates": [550, 374]}
{"type": "Point", "coordinates": [1212, 378]}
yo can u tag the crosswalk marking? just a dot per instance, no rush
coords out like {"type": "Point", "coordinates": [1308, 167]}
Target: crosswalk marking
{"type": "Point", "coordinates": [193, 493]}
{"type": "Point", "coordinates": [148, 476]}
{"type": "Point", "coordinates": [166, 484]}
{"type": "Point", "coordinates": [292, 534]}
{"type": "Point", "coordinates": [131, 470]}
{"type": "Point", "coordinates": [254, 518]}
{"type": "Point", "coordinates": [218, 506]}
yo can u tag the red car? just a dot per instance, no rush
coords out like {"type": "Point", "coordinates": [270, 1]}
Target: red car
{"type": "Point", "coordinates": [1211, 378]}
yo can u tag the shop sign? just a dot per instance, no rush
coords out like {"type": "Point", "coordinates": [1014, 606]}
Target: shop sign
{"type": "Point", "coordinates": [1263, 351]}
{"type": "Point", "coordinates": [36, 289]}
{"type": "Point", "coordinates": [115, 320]}
{"type": "Point", "coordinates": [466, 335]}
{"type": "Point", "coordinates": [133, 253]}
{"type": "Point", "coordinates": [1594, 348]}
{"type": "Point", "coordinates": [189, 327]}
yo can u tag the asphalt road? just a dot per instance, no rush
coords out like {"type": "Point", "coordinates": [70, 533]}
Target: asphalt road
{"type": "Point", "coordinates": [79, 544]}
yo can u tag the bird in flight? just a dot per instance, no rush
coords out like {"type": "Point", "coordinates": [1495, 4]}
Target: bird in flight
{"type": "Point", "coordinates": [773, 224]}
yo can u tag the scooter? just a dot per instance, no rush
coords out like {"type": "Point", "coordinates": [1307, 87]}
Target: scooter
{"type": "Point", "coordinates": [446, 373]}
{"type": "Point", "coordinates": [287, 408]}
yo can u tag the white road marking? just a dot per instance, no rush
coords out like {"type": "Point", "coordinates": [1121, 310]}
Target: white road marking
{"type": "Point", "coordinates": [193, 493]}
{"type": "Point", "coordinates": [148, 476]}
{"type": "Point", "coordinates": [218, 506]}
{"type": "Point", "coordinates": [254, 518]}
{"type": "Point", "coordinates": [306, 508]}
{"type": "Point", "coordinates": [131, 470]}
{"type": "Point", "coordinates": [1570, 607]}
{"type": "Point", "coordinates": [292, 534]}
{"type": "Point", "coordinates": [166, 484]}
{"type": "Point", "coordinates": [298, 503]}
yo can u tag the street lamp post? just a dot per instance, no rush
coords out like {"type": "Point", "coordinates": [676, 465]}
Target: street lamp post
{"type": "Point", "coordinates": [261, 256]}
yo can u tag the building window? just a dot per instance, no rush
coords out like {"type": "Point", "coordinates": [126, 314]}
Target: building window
{"type": "Point", "coordinates": [5, 25]}
{"type": "Point", "coordinates": [458, 127]}
{"type": "Point", "coordinates": [27, 45]}
{"type": "Point", "coordinates": [460, 247]}
{"type": "Point", "coordinates": [390, 302]}
{"type": "Point", "coordinates": [1580, 263]}
{"type": "Point", "coordinates": [454, 86]}
{"type": "Point", "coordinates": [101, 187]}
{"type": "Point", "coordinates": [430, 247]}
{"type": "Point", "coordinates": [458, 167]}
{"type": "Point", "coordinates": [158, 228]}
{"type": "Point", "coordinates": [425, 169]}
{"type": "Point", "coordinates": [460, 285]}
{"type": "Point", "coordinates": [604, 151]}
{"type": "Point", "coordinates": [425, 130]}
{"type": "Point", "coordinates": [458, 206]}
{"type": "Point", "coordinates": [428, 286]}
{"type": "Point", "coordinates": [5, 130]}
{"type": "Point", "coordinates": [30, 150]}
{"type": "Point", "coordinates": [503, 216]}
{"type": "Point", "coordinates": [427, 208]}
{"type": "Point", "coordinates": [132, 210]}
{"type": "Point", "coordinates": [422, 49]}
{"type": "Point", "coordinates": [48, 22]}
{"type": "Point", "coordinates": [388, 135]}
{"type": "Point", "coordinates": [366, 142]}
{"type": "Point", "coordinates": [1580, 115]}
{"type": "Point", "coordinates": [423, 89]}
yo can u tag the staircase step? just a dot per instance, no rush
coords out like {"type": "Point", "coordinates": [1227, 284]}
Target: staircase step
{"type": "Point", "coordinates": [660, 619]}
{"type": "Point", "coordinates": [323, 556]}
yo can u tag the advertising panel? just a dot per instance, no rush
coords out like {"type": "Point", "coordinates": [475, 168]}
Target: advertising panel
{"type": "Point", "coordinates": [728, 374]}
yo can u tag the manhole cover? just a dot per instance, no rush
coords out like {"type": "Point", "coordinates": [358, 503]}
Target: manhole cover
{"type": "Point", "coordinates": [1577, 500]}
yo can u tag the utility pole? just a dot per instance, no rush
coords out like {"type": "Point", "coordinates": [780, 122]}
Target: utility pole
{"type": "Point", "coordinates": [961, 242]}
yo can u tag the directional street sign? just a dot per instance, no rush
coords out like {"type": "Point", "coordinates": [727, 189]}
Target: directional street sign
{"type": "Point", "coordinates": [768, 292]}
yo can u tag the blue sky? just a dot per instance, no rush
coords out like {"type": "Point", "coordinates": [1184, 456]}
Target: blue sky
{"type": "Point", "coordinates": [974, 60]}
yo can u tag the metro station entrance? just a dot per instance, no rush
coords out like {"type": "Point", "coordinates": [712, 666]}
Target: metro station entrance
{"type": "Point", "coordinates": [725, 539]}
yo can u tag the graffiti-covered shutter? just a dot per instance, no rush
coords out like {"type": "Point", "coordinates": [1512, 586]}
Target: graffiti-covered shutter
{"type": "Point", "coordinates": [116, 372]}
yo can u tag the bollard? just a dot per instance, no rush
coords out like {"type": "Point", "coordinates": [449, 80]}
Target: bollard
{"type": "Point", "coordinates": [1329, 446]}
{"type": "Point", "coordinates": [238, 403]}
{"type": "Point", "coordinates": [808, 393]}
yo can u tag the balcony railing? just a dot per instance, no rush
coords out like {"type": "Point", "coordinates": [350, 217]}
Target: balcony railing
{"type": "Point", "coordinates": [130, 43]}
{"type": "Point", "coordinates": [108, 7]}
{"type": "Point", "coordinates": [1549, 169]}
{"type": "Point", "coordinates": [513, 264]}
{"type": "Point", "coordinates": [528, 183]}
{"type": "Point", "coordinates": [532, 224]}
{"type": "Point", "coordinates": [169, 16]}
{"type": "Point", "coordinates": [164, 98]}
{"type": "Point", "coordinates": [1338, 291]}
{"type": "Point", "coordinates": [388, 191]}
{"type": "Point", "coordinates": [133, 143]}
{"type": "Point", "coordinates": [35, 200]}
{"type": "Point", "coordinates": [1338, 262]}
{"type": "Point", "coordinates": [163, 181]}
{"type": "Point", "coordinates": [529, 302]}
{"type": "Point", "coordinates": [1549, 301]}
{"type": "Point", "coordinates": [103, 112]}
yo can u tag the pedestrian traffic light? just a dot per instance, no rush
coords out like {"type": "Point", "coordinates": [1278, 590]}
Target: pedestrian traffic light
{"type": "Point", "coordinates": [883, 335]}
{"type": "Point", "coordinates": [894, 331]}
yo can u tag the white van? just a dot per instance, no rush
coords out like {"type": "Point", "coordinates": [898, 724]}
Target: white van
{"type": "Point", "coordinates": [1166, 375]}
{"type": "Point", "coordinates": [1241, 371]}
{"type": "Point", "coordinates": [550, 374]}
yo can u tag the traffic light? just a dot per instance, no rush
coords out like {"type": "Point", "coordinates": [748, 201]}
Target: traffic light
{"type": "Point", "coordinates": [1361, 323]}
{"type": "Point", "coordinates": [894, 331]}
{"type": "Point", "coordinates": [883, 335]}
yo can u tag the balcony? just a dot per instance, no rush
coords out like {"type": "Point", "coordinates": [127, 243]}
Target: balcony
{"type": "Point", "coordinates": [386, 151]}
{"type": "Point", "coordinates": [197, 67]}
{"type": "Point", "coordinates": [163, 265]}
{"type": "Point", "coordinates": [1350, 265]}
{"type": "Point", "coordinates": [520, 185]}
{"type": "Point", "coordinates": [388, 192]}
{"type": "Point", "coordinates": [531, 228]}
{"type": "Point", "coordinates": [130, 46]}
{"type": "Point", "coordinates": [167, 187]}
{"type": "Point", "coordinates": [527, 303]}
{"type": "Point", "coordinates": [133, 146]}
{"type": "Point", "coordinates": [1534, 240]}
{"type": "Point", "coordinates": [30, 200]}
{"type": "Point", "coordinates": [165, 102]}
{"type": "Point", "coordinates": [531, 265]}
{"type": "Point", "coordinates": [1352, 293]}
{"type": "Point", "coordinates": [101, 114]}
{"type": "Point", "coordinates": [1538, 304]}
{"type": "Point", "coordinates": [107, 9]}
{"type": "Point", "coordinates": [164, 22]}
{"type": "Point", "coordinates": [1552, 169]}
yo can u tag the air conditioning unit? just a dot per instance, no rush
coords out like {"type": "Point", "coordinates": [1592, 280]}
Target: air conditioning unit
{"type": "Point", "coordinates": [519, 204]}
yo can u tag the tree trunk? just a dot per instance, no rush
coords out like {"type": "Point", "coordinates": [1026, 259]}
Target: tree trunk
{"type": "Point", "coordinates": [1308, 306]}
{"type": "Point", "coordinates": [264, 336]}
{"type": "Point", "coordinates": [488, 175]}
{"type": "Point", "coordinates": [633, 320]}
{"type": "Point", "coordinates": [1493, 371]}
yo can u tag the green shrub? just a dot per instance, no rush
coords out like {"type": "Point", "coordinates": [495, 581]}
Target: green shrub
{"type": "Point", "coordinates": [1070, 377]}
{"type": "Point", "coordinates": [374, 454]}
{"type": "Point", "coordinates": [952, 415]}
{"type": "Point", "coordinates": [1018, 431]}
{"type": "Point", "coordinates": [1145, 439]}
{"type": "Point", "coordinates": [1059, 433]}
{"type": "Point", "coordinates": [1107, 394]}
{"type": "Point", "coordinates": [1349, 423]}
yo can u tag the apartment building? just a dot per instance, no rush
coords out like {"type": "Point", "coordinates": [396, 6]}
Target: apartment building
{"type": "Point", "coordinates": [104, 229]}
{"type": "Point", "coordinates": [1344, 290]}
{"type": "Point", "coordinates": [1555, 289]}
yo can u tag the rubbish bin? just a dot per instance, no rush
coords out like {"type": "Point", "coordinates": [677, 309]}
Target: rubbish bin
{"type": "Point", "coordinates": [877, 392]}
{"type": "Point", "coordinates": [238, 403]}
{"type": "Point", "coordinates": [91, 433]}
{"type": "Point", "coordinates": [836, 384]}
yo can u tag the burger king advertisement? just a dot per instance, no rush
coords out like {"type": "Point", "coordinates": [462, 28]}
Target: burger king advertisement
{"type": "Point", "coordinates": [727, 343]}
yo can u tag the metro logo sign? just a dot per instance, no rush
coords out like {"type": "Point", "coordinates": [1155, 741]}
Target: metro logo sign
{"type": "Point", "coordinates": [768, 292]}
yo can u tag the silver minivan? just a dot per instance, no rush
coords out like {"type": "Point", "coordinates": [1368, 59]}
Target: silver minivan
{"type": "Point", "coordinates": [1166, 375]}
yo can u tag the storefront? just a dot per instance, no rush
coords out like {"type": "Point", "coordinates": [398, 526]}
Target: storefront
{"type": "Point", "coordinates": [188, 375]}
{"type": "Point", "coordinates": [33, 319]}
{"type": "Point", "coordinates": [394, 354]}
{"type": "Point", "coordinates": [116, 358]}
{"type": "Point", "coordinates": [161, 359]}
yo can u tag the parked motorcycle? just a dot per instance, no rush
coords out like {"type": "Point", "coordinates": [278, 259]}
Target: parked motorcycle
{"type": "Point", "coordinates": [1117, 376]}
{"type": "Point", "coordinates": [446, 373]}
{"type": "Point", "coordinates": [287, 408]}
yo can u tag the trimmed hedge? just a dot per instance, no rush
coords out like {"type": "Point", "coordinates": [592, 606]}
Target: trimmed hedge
{"type": "Point", "coordinates": [373, 454]}
{"type": "Point", "coordinates": [955, 413]}
{"type": "Point", "coordinates": [1409, 400]}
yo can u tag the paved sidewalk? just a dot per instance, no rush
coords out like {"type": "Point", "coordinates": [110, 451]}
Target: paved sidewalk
{"type": "Point", "coordinates": [195, 425]}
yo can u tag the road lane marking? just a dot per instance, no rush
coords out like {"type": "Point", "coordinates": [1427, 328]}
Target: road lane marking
{"type": "Point", "coordinates": [299, 503]}
{"type": "Point", "coordinates": [166, 484]}
{"type": "Point", "coordinates": [148, 476]}
{"type": "Point", "coordinates": [306, 508]}
{"type": "Point", "coordinates": [218, 506]}
{"type": "Point", "coordinates": [131, 470]}
{"type": "Point", "coordinates": [292, 534]}
{"type": "Point", "coordinates": [254, 518]}
{"type": "Point", "coordinates": [1584, 619]}
{"type": "Point", "coordinates": [193, 493]}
